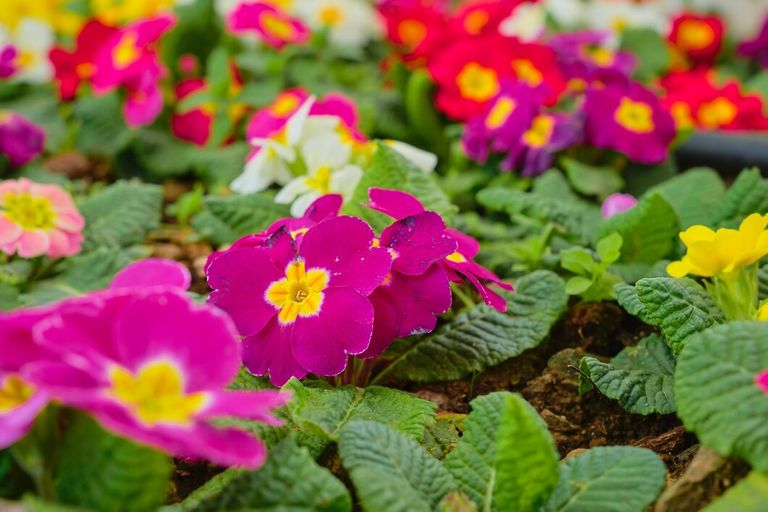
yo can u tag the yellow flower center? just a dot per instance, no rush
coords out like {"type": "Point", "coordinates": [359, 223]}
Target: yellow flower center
{"type": "Point", "coordinates": [277, 26]}
{"type": "Point", "coordinates": [84, 70]}
{"type": "Point", "coordinates": [331, 15]}
{"type": "Point", "coordinates": [476, 21]}
{"type": "Point", "coordinates": [321, 181]}
{"type": "Point", "coordinates": [28, 211]}
{"type": "Point", "coordinates": [26, 59]}
{"type": "Point", "coordinates": [540, 132]}
{"type": "Point", "coordinates": [601, 56]}
{"type": "Point", "coordinates": [299, 294]}
{"type": "Point", "coordinates": [500, 112]}
{"type": "Point", "coordinates": [284, 105]}
{"type": "Point", "coordinates": [681, 112]}
{"type": "Point", "coordinates": [694, 35]}
{"type": "Point", "coordinates": [635, 116]}
{"type": "Point", "coordinates": [456, 257]}
{"type": "Point", "coordinates": [14, 391]}
{"type": "Point", "coordinates": [477, 83]}
{"type": "Point", "coordinates": [156, 393]}
{"type": "Point", "coordinates": [527, 72]}
{"type": "Point", "coordinates": [411, 32]}
{"type": "Point", "coordinates": [125, 52]}
{"type": "Point", "coordinates": [718, 112]}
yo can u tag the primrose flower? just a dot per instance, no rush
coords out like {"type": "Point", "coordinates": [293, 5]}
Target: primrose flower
{"type": "Point", "coordinates": [38, 220]}
{"type": "Point", "coordinates": [458, 265]}
{"type": "Point", "coordinates": [30, 41]}
{"type": "Point", "coordinates": [8, 54]}
{"type": "Point", "coordinates": [546, 135]}
{"type": "Point", "coordinates": [757, 48]}
{"type": "Point", "coordinates": [20, 140]}
{"type": "Point", "coordinates": [270, 24]}
{"type": "Point", "coordinates": [118, 13]}
{"type": "Point", "coordinates": [77, 66]}
{"type": "Point", "coordinates": [347, 22]}
{"type": "Point", "coordinates": [713, 253]}
{"type": "Point", "coordinates": [302, 305]}
{"type": "Point", "coordinates": [617, 203]}
{"type": "Point", "coordinates": [55, 13]}
{"type": "Point", "coordinates": [151, 365]}
{"type": "Point", "coordinates": [526, 22]}
{"type": "Point", "coordinates": [585, 57]}
{"type": "Point", "coordinates": [416, 28]}
{"type": "Point", "coordinates": [762, 381]}
{"type": "Point", "coordinates": [630, 120]}
{"type": "Point", "coordinates": [699, 38]}
{"type": "Point", "coordinates": [482, 17]}
{"type": "Point", "coordinates": [617, 16]}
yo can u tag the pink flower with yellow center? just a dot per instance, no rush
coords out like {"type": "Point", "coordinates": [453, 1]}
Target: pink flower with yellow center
{"type": "Point", "coordinates": [270, 24]}
{"type": "Point", "coordinates": [460, 264]}
{"type": "Point", "coordinates": [38, 220]}
{"type": "Point", "coordinates": [302, 304]}
{"type": "Point", "coordinates": [630, 120]}
{"type": "Point", "coordinates": [544, 136]}
{"type": "Point", "coordinates": [115, 355]}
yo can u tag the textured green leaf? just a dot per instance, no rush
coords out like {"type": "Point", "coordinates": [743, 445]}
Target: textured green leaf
{"type": "Point", "coordinates": [762, 281]}
{"type": "Point", "coordinates": [748, 495]}
{"type": "Point", "coordinates": [483, 337]}
{"type": "Point", "coordinates": [626, 295]}
{"type": "Point", "coordinates": [290, 481]}
{"type": "Point", "coordinates": [680, 307]}
{"type": "Point", "coordinates": [608, 479]}
{"type": "Point", "coordinates": [716, 394]}
{"type": "Point", "coordinates": [327, 411]}
{"type": "Point", "coordinates": [748, 194]}
{"type": "Point", "coordinates": [390, 471]}
{"type": "Point", "coordinates": [506, 459]}
{"type": "Point", "coordinates": [649, 230]}
{"type": "Point", "coordinates": [102, 129]}
{"type": "Point", "coordinates": [694, 195]}
{"type": "Point", "coordinates": [9, 297]}
{"type": "Point", "coordinates": [121, 214]}
{"type": "Point", "coordinates": [101, 471]}
{"type": "Point", "coordinates": [389, 169]}
{"type": "Point", "coordinates": [590, 180]}
{"type": "Point", "coordinates": [225, 219]}
{"type": "Point", "coordinates": [641, 378]}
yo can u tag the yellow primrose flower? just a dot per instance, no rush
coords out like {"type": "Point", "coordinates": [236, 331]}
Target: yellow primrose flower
{"type": "Point", "coordinates": [52, 12]}
{"type": "Point", "coordinates": [115, 12]}
{"type": "Point", "coordinates": [762, 313]}
{"type": "Point", "coordinates": [712, 253]}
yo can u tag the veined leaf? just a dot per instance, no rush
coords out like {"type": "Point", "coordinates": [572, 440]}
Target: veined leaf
{"type": "Point", "coordinates": [626, 295]}
{"type": "Point", "coordinates": [641, 378]}
{"type": "Point", "coordinates": [717, 397]}
{"type": "Point", "coordinates": [694, 195]}
{"type": "Point", "coordinates": [225, 219]}
{"type": "Point", "coordinates": [680, 307]}
{"type": "Point", "coordinates": [608, 479]}
{"type": "Point", "coordinates": [390, 471]}
{"type": "Point", "coordinates": [506, 459]}
{"type": "Point", "coordinates": [748, 194]}
{"type": "Point", "coordinates": [290, 480]}
{"type": "Point", "coordinates": [483, 337]}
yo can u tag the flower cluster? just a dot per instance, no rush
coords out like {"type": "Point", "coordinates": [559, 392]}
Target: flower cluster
{"type": "Point", "coordinates": [114, 355]}
{"type": "Point", "coordinates": [38, 220]}
{"type": "Point", "coordinates": [308, 293]}
{"type": "Point", "coordinates": [312, 148]}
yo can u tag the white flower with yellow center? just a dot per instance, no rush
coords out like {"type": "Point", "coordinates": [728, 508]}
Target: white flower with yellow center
{"type": "Point", "coordinates": [348, 22]}
{"type": "Point", "coordinates": [619, 15]}
{"type": "Point", "coordinates": [526, 22]}
{"type": "Point", "coordinates": [32, 38]}
{"type": "Point", "coordinates": [330, 171]}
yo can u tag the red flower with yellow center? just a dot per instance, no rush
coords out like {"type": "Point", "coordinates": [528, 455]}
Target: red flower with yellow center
{"type": "Point", "coordinates": [699, 38]}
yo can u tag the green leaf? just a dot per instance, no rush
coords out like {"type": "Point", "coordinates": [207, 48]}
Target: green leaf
{"type": "Point", "coordinates": [577, 260]}
{"type": "Point", "coordinates": [9, 297]}
{"type": "Point", "coordinates": [290, 481]}
{"type": "Point", "coordinates": [506, 459]}
{"type": "Point", "coordinates": [577, 285]}
{"type": "Point", "coordinates": [762, 282]}
{"type": "Point", "coordinates": [680, 307]}
{"type": "Point", "coordinates": [389, 169]}
{"type": "Point", "coordinates": [101, 471]}
{"type": "Point", "coordinates": [717, 397]}
{"type": "Point", "coordinates": [102, 129]}
{"type": "Point", "coordinates": [748, 194]}
{"type": "Point", "coordinates": [82, 273]}
{"type": "Point", "coordinates": [225, 219]}
{"type": "Point", "coordinates": [626, 295]}
{"type": "Point", "coordinates": [484, 337]}
{"type": "Point", "coordinates": [653, 55]}
{"type": "Point", "coordinates": [326, 411]}
{"type": "Point", "coordinates": [608, 479]}
{"type": "Point", "coordinates": [609, 248]}
{"type": "Point", "coordinates": [748, 495]}
{"type": "Point", "coordinates": [419, 109]}
{"type": "Point", "coordinates": [390, 471]}
{"type": "Point", "coordinates": [649, 230]}
{"type": "Point", "coordinates": [641, 378]}
{"type": "Point", "coordinates": [590, 180]}
{"type": "Point", "coordinates": [694, 195]}
{"type": "Point", "coordinates": [121, 214]}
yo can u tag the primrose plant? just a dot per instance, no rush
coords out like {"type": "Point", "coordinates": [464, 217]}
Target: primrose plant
{"type": "Point", "coordinates": [593, 282]}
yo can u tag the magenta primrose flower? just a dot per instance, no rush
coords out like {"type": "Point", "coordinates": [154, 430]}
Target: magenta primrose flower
{"type": "Point", "coordinates": [762, 381]}
{"type": "Point", "coordinates": [534, 151]}
{"type": "Point", "coordinates": [586, 56]}
{"type": "Point", "coordinates": [757, 48]}
{"type": "Point", "coordinates": [302, 304]}
{"type": "Point", "coordinates": [38, 220]}
{"type": "Point", "coordinates": [617, 203]}
{"type": "Point", "coordinates": [270, 24]}
{"type": "Point", "coordinates": [145, 361]}
{"type": "Point", "coordinates": [458, 265]}
{"type": "Point", "coordinates": [128, 59]}
{"type": "Point", "coordinates": [8, 56]}
{"type": "Point", "coordinates": [630, 120]}
{"type": "Point", "coordinates": [20, 140]}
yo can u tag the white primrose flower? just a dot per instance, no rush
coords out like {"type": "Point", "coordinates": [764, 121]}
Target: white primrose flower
{"type": "Point", "coordinates": [349, 22]}
{"type": "Point", "coordinates": [617, 15]}
{"type": "Point", "coordinates": [33, 38]}
{"type": "Point", "coordinates": [743, 18]}
{"type": "Point", "coordinates": [424, 160]}
{"type": "Point", "coordinates": [526, 22]}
